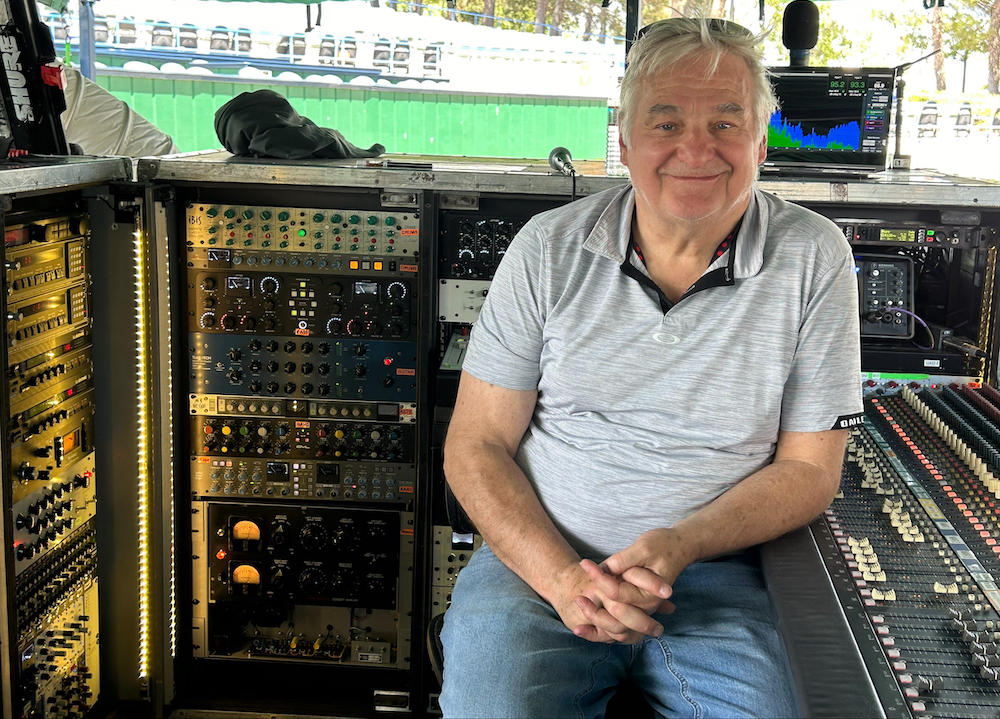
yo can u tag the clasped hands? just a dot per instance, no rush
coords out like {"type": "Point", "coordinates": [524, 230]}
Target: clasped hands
{"type": "Point", "coordinates": [613, 601]}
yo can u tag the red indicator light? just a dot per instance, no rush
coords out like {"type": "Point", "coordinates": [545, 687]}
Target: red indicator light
{"type": "Point", "coordinates": [69, 393]}
{"type": "Point", "coordinates": [66, 348]}
{"type": "Point", "coordinates": [249, 235]}
{"type": "Point", "coordinates": [221, 554]}
{"type": "Point", "coordinates": [387, 361]}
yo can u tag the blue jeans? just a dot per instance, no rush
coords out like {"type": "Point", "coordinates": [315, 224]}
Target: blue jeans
{"type": "Point", "coordinates": [507, 653]}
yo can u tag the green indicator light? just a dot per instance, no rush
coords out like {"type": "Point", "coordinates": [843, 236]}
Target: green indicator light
{"type": "Point", "coordinates": [244, 431]}
{"type": "Point", "coordinates": [930, 233]}
{"type": "Point", "coordinates": [302, 233]}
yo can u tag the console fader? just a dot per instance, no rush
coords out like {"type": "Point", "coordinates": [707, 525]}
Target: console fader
{"type": "Point", "coordinates": [917, 528]}
{"type": "Point", "coordinates": [302, 360]}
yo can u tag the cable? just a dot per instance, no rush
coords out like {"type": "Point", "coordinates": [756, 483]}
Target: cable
{"type": "Point", "coordinates": [917, 318]}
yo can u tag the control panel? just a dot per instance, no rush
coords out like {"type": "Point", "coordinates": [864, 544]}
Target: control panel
{"type": "Point", "coordinates": [52, 472]}
{"type": "Point", "coordinates": [910, 234]}
{"type": "Point", "coordinates": [885, 284]}
{"type": "Point", "coordinates": [303, 389]}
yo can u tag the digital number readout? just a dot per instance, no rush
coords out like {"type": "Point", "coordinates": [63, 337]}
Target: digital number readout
{"type": "Point", "coordinates": [897, 235]}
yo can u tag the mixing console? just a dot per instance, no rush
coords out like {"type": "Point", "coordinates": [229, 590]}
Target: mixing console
{"type": "Point", "coordinates": [917, 526]}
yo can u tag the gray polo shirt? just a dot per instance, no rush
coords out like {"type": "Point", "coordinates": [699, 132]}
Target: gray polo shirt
{"type": "Point", "coordinates": [644, 416]}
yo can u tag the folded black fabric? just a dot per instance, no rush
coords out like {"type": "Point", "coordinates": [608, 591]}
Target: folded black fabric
{"type": "Point", "coordinates": [263, 124]}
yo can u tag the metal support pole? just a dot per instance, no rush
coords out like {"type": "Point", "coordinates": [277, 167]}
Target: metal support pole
{"type": "Point", "coordinates": [633, 22]}
{"type": "Point", "coordinates": [87, 51]}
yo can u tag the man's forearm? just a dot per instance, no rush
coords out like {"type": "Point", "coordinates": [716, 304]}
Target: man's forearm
{"type": "Point", "coordinates": [505, 509]}
{"type": "Point", "coordinates": [781, 497]}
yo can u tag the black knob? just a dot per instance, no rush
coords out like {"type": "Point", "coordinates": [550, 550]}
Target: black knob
{"type": "Point", "coordinates": [255, 366]}
{"type": "Point", "coordinates": [228, 321]}
{"type": "Point", "coordinates": [307, 347]}
{"type": "Point", "coordinates": [307, 388]}
{"type": "Point", "coordinates": [323, 369]}
{"type": "Point", "coordinates": [307, 368]}
{"type": "Point", "coordinates": [360, 350]}
{"type": "Point", "coordinates": [254, 386]}
{"type": "Point", "coordinates": [272, 366]}
{"type": "Point", "coordinates": [209, 303]}
{"type": "Point", "coordinates": [289, 367]}
{"type": "Point", "coordinates": [208, 283]}
{"type": "Point", "coordinates": [25, 472]}
{"type": "Point", "coordinates": [235, 354]}
{"type": "Point", "coordinates": [312, 536]}
{"type": "Point", "coordinates": [278, 579]}
{"type": "Point", "coordinates": [254, 345]}
{"type": "Point", "coordinates": [360, 370]}
{"type": "Point", "coordinates": [249, 323]}
{"type": "Point", "coordinates": [289, 347]}
{"type": "Point", "coordinates": [278, 535]}
{"type": "Point", "coordinates": [235, 376]}
{"type": "Point", "coordinates": [388, 382]}
{"type": "Point", "coordinates": [289, 387]}
{"type": "Point", "coordinates": [312, 582]}
{"type": "Point", "coordinates": [272, 387]}
{"type": "Point", "coordinates": [324, 390]}
{"type": "Point", "coordinates": [268, 324]}
{"type": "Point", "coordinates": [324, 348]}
{"type": "Point", "coordinates": [269, 286]}
{"type": "Point", "coordinates": [272, 346]}
{"type": "Point", "coordinates": [336, 289]}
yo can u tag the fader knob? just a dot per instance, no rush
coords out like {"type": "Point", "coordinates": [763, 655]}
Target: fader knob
{"type": "Point", "coordinates": [208, 283]}
{"type": "Point", "coordinates": [312, 536]}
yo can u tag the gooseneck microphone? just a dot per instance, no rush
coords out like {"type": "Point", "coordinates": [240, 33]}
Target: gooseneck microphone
{"type": "Point", "coordinates": [800, 30]}
{"type": "Point", "coordinates": [561, 161]}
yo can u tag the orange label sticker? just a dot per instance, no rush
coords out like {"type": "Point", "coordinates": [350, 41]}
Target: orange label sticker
{"type": "Point", "coordinates": [406, 490]}
{"type": "Point", "coordinates": [302, 332]}
{"type": "Point", "coordinates": [410, 232]}
{"type": "Point", "coordinates": [406, 411]}
{"type": "Point", "coordinates": [407, 268]}
{"type": "Point", "coordinates": [975, 385]}
{"type": "Point", "coordinates": [406, 532]}
{"type": "Point", "coordinates": [406, 372]}
{"type": "Point", "coordinates": [204, 460]}
{"type": "Point", "coordinates": [302, 425]}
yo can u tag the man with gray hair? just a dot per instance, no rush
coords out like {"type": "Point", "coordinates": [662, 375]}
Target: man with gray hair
{"type": "Point", "coordinates": [661, 379]}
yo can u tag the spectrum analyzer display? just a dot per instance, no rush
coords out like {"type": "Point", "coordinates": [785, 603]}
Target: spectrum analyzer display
{"type": "Point", "coordinates": [831, 116]}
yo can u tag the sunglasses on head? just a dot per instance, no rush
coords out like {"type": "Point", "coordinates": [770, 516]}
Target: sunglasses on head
{"type": "Point", "coordinates": [687, 26]}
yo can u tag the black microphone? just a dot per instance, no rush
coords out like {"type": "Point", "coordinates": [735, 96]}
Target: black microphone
{"type": "Point", "coordinates": [800, 30]}
{"type": "Point", "coordinates": [561, 161]}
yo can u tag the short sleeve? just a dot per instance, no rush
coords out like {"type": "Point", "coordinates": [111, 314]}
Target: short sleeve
{"type": "Point", "coordinates": [506, 343]}
{"type": "Point", "coordinates": [823, 389]}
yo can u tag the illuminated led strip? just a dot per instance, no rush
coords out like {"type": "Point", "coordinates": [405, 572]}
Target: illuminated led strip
{"type": "Point", "coordinates": [142, 405]}
{"type": "Point", "coordinates": [170, 435]}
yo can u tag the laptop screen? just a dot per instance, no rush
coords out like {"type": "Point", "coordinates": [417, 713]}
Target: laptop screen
{"type": "Point", "coordinates": [830, 116]}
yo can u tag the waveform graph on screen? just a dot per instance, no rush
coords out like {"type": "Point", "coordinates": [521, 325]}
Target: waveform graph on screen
{"type": "Point", "coordinates": [820, 135]}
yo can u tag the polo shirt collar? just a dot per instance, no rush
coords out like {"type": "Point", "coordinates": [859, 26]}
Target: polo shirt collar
{"type": "Point", "coordinates": [613, 230]}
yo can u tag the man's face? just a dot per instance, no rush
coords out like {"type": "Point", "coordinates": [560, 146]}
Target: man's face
{"type": "Point", "coordinates": [693, 148]}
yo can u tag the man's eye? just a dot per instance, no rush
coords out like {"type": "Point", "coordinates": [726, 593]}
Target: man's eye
{"type": "Point", "coordinates": [667, 126]}
{"type": "Point", "coordinates": [724, 125]}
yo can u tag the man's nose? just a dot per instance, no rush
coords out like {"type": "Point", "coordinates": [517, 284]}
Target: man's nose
{"type": "Point", "coordinates": [696, 146]}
